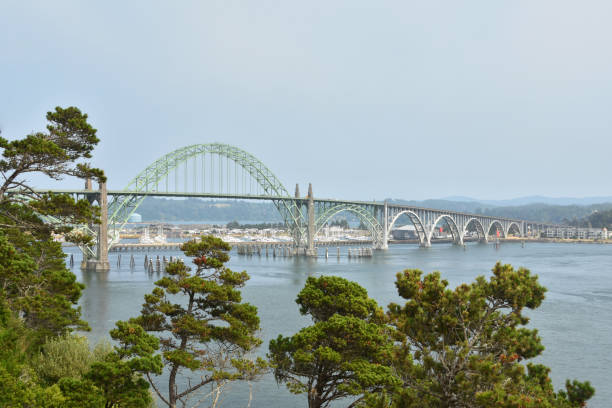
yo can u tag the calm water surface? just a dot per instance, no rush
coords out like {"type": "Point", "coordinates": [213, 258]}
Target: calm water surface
{"type": "Point", "coordinates": [575, 320]}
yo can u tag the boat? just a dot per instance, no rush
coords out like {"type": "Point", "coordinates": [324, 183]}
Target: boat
{"type": "Point", "coordinates": [145, 237]}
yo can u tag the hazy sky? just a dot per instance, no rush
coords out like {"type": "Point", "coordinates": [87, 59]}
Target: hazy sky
{"type": "Point", "coordinates": [365, 99]}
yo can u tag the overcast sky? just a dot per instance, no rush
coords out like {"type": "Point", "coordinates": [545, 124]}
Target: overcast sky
{"type": "Point", "coordinates": [365, 99]}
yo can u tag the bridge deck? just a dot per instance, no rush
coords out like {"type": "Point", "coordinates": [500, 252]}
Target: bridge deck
{"type": "Point", "coordinates": [302, 200]}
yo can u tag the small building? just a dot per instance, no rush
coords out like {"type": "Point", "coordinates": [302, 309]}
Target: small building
{"type": "Point", "coordinates": [135, 217]}
{"type": "Point", "coordinates": [404, 232]}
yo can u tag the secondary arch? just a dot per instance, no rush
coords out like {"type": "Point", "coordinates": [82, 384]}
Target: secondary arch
{"type": "Point", "coordinates": [363, 214]}
{"type": "Point", "coordinates": [416, 221]}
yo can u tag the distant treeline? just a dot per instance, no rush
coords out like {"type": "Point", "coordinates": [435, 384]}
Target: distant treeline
{"type": "Point", "coordinates": [564, 214]}
{"type": "Point", "coordinates": [193, 209]}
{"type": "Point", "coordinates": [536, 212]}
{"type": "Point", "coordinates": [237, 225]}
{"type": "Point", "coordinates": [598, 219]}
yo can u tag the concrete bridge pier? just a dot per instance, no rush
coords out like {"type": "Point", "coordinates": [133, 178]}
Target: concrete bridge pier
{"type": "Point", "coordinates": [100, 263]}
{"type": "Point", "coordinates": [385, 225]}
{"type": "Point", "coordinates": [310, 251]}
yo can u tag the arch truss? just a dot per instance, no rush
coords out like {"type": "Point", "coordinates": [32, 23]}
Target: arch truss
{"type": "Point", "coordinates": [426, 221]}
{"type": "Point", "coordinates": [212, 168]}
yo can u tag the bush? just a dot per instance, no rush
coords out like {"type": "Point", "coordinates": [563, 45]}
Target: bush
{"type": "Point", "coordinates": [69, 356]}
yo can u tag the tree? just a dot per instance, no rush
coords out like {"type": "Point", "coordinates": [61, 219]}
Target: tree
{"type": "Point", "coordinates": [18, 385]}
{"type": "Point", "coordinates": [38, 293]}
{"type": "Point", "coordinates": [345, 354]}
{"type": "Point", "coordinates": [210, 329]}
{"type": "Point", "coordinates": [55, 153]}
{"type": "Point", "coordinates": [33, 275]}
{"type": "Point", "coordinates": [465, 347]}
{"type": "Point", "coordinates": [98, 379]}
{"type": "Point", "coordinates": [119, 376]}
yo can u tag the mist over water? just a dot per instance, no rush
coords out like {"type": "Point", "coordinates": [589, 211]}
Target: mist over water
{"type": "Point", "coordinates": [575, 320]}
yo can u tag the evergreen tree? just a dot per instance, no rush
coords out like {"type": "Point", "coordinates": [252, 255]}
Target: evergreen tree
{"type": "Point", "coordinates": [466, 347]}
{"type": "Point", "coordinates": [209, 329]}
{"type": "Point", "coordinates": [33, 275]}
{"type": "Point", "coordinates": [344, 355]}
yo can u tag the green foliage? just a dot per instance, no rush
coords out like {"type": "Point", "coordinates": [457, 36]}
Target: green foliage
{"type": "Point", "coordinates": [346, 353]}
{"type": "Point", "coordinates": [210, 329]}
{"type": "Point", "coordinates": [40, 364]}
{"type": "Point", "coordinates": [323, 297]}
{"type": "Point", "coordinates": [68, 356]}
{"type": "Point", "coordinates": [18, 383]}
{"type": "Point", "coordinates": [260, 226]}
{"type": "Point", "coordinates": [37, 284]}
{"type": "Point", "coordinates": [55, 153]}
{"type": "Point", "coordinates": [464, 347]}
{"type": "Point", "coordinates": [193, 209]}
{"type": "Point", "coordinates": [342, 223]}
{"type": "Point", "coordinates": [597, 219]}
{"type": "Point", "coordinates": [103, 377]}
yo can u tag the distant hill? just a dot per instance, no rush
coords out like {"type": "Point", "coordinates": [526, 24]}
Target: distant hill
{"type": "Point", "coordinates": [463, 206]}
{"type": "Point", "coordinates": [558, 214]}
{"type": "Point", "coordinates": [598, 219]}
{"type": "Point", "coordinates": [535, 200]}
{"type": "Point", "coordinates": [194, 209]}
{"type": "Point", "coordinates": [533, 211]}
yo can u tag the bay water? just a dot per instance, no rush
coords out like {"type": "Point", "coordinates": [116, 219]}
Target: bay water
{"type": "Point", "coordinates": [575, 320]}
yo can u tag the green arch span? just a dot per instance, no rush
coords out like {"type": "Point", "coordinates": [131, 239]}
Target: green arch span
{"type": "Point", "coordinates": [147, 181]}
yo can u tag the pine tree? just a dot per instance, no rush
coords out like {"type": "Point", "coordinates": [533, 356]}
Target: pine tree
{"type": "Point", "coordinates": [202, 323]}
{"type": "Point", "coordinates": [345, 354]}
{"type": "Point", "coordinates": [467, 347]}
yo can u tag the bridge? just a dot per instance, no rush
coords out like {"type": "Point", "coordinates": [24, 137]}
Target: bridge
{"type": "Point", "coordinates": [217, 170]}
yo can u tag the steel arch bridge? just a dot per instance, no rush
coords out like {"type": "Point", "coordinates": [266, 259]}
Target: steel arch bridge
{"type": "Point", "coordinates": [217, 170]}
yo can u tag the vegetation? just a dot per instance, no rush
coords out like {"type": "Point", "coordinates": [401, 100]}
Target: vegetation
{"type": "Point", "coordinates": [466, 347]}
{"type": "Point", "coordinates": [191, 209]}
{"type": "Point", "coordinates": [598, 219]}
{"type": "Point", "coordinates": [237, 225]}
{"type": "Point", "coordinates": [346, 353]}
{"type": "Point", "coordinates": [41, 364]}
{"type": "Point", "coordinates": [210, 329]}
{"type": "Point", "coordinates": [33, 275]}
{"type": "Point", "coordinates": [537, 211]}
{"type": "Point", "coordinates": [68, 356]}
{"type": "Point", "coordinates": [462, 347]}
{"type": "Point", "coordinates": [342, 223]}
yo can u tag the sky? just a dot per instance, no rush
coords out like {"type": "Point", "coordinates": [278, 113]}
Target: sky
{"type": "Point", "coordinates": [363, 99]}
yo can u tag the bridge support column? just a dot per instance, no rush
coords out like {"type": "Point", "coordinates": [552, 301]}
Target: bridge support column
{"type": "Point", "coordinates": [297, 215]}
{"type": "Point", "coordinates": [310, 251]}
{"type": "Point", "coordinates": [101, 264]}
{"type": "Point", "coordinates": [385, 225]}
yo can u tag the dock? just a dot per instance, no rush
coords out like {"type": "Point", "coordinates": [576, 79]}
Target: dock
{"type": "Point", "coordinates": [239, 246]}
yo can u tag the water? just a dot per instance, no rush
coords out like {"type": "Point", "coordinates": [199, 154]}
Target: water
{"type": "Point", "coordinates": [575, 320]}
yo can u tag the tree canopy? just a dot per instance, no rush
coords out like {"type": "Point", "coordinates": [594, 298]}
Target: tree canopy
{"type": "Point", "coordinates": [345, 354]}
{"type": "Point", "coordinates": [201, 321]}
{"type": "Point", "coordinates": [466, 347]}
